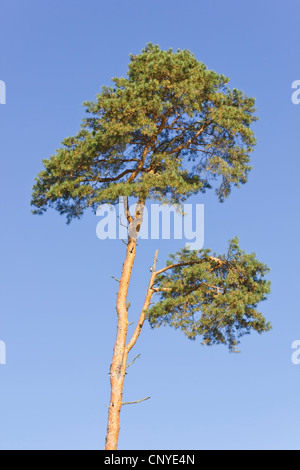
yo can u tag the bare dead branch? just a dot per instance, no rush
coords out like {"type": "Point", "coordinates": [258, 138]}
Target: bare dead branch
{"type": "Point", "coordinates": [133, 402]}
{"type": "Point", "coordinates": [136, 357]}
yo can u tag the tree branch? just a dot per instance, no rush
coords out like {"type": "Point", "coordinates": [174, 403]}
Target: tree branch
{"type": "Point", "coordinates": [168, 289]}
{"type": "Point", "coordinates": [188, 263]}
{"type": "Point", "coordinates": [133, 402]}
{"type": "Point", "coordinates": [148, 297]}
{"type": "Point", "coordinates": [136, 357]}
{"type": "Point", "coordinates": [191, 140]}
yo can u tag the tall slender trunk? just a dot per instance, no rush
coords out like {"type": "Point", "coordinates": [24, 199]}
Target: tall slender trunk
{"type": "Point", "coordinates": [118, 365]}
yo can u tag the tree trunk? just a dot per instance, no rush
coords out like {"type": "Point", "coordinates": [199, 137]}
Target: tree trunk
{"type": "Point", "coordinates": [118, 365]}
{"type": "Point", "coordinates": [119, 360]}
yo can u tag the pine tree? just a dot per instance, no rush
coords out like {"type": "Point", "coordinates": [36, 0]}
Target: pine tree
{"type": "Point", "coordinates": [170, 129]}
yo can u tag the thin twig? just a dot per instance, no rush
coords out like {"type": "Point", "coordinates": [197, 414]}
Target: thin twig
{"type": "Point", "coordinates": [123, 225]}
{"type": "Point", "coordinates": [133, 402]}
{"type": "Point", "coordinates": [133, 361]}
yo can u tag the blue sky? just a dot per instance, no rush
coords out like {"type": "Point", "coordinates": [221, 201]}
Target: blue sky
{"type": "Point", "coordinates": [57, 312]}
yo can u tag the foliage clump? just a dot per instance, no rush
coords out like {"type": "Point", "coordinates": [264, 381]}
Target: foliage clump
{"type": "Point", "coordinates": [214, 297]}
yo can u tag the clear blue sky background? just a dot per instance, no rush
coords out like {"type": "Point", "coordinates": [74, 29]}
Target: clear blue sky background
{"type": "Point", "coordinates": [57, 313]}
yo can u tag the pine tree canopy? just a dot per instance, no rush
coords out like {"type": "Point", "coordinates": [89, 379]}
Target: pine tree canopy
{"type": "Point", "coordinates": [214, 297]}
{"type": "Point", "coordinates": [170, 129]}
